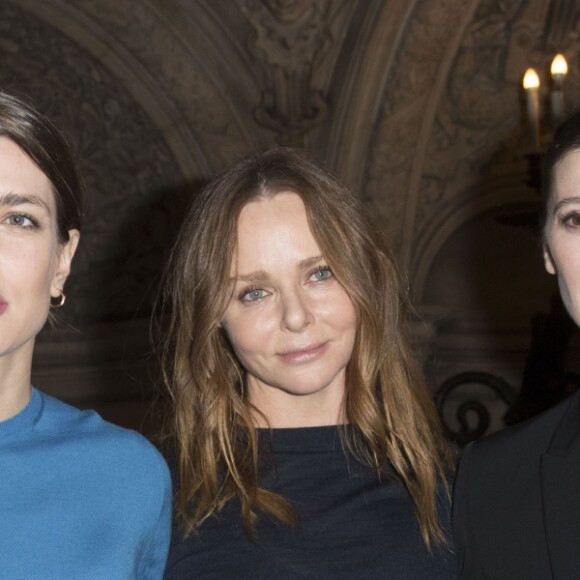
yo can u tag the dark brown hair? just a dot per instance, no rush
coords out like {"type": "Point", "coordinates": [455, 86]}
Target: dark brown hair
{"type": "Point", "coordinates": [45, 145]}
{"type": "Point", "coordinates": [566, 139]}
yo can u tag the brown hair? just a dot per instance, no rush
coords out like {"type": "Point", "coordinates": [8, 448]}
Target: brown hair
{"type": "Point", "coordinates": [45, 145]}
{"type": "Point", "coordinates": [386, 403]}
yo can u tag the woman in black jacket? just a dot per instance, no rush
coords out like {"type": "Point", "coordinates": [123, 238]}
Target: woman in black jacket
{"type": "Point", "coordinates": [517, 499]}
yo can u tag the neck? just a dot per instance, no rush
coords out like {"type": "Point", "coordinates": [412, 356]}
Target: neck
{"type": "Point", "coordinates": [15, 387]}
{"type": "Point", "coordinates": [279, 409]}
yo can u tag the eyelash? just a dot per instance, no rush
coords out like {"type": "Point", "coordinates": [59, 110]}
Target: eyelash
{"type": "Point", "coordinates": [33, 222]}
{"type": "Point", "coordinates": [566, 219]}
{"type": "Point", "coordinates": [321, 268]}
{"type": "Point", "coordinates": [246, 291]}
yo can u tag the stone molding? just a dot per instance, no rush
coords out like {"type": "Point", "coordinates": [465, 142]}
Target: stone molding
{"type": "Point", "coordinates": [415, 105]}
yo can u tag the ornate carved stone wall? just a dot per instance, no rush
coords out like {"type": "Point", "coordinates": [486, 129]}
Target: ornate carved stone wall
{"type": "Point", "coordinates": [415, 104]}
{"type": "Point", "coordinates": [131, 176]}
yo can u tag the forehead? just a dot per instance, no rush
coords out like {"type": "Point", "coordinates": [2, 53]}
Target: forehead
{"type": "Point", "coordinates": [274, 229]}
{"type": "Point", "coordinates": [20, 175]}
{"type": "Point", "coordinates": [567, 175]}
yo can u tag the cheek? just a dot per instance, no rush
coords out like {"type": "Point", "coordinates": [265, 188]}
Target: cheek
{"type": "Point", "coordinates": [341, 312]}
{"type": "Point", "coordinates": [29, 268]}
{"type": "Point", "coordinates": [566, 260]}
{"type": "Point", "coordinates": [246, 334]}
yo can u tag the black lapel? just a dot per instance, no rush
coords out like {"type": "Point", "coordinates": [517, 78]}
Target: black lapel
{"type": "Point", "coordinates": [560, 468]}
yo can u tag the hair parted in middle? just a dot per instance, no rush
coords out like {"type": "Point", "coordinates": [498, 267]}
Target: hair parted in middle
{"type": "Point", "coordinates": [387, 404]}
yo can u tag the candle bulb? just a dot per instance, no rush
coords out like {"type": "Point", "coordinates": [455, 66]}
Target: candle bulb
{"type": "Point", "coordinates": [532, 88]}
{"type": "Point", "coordinates": [558, 70]}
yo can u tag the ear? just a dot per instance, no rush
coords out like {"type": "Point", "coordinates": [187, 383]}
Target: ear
{"type": "Point", "coordinates": [64, 258]}
{"type": "Point", "coordinates": [548, 260]}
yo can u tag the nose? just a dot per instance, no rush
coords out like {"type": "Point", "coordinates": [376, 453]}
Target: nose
{"type": "Point", "coordinates": [297, 311]}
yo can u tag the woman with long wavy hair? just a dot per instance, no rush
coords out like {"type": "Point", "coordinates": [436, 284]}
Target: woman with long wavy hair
{"type": "Point", "coordinates": [306, 441]}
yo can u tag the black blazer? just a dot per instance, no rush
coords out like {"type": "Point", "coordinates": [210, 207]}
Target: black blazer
{"type": "Point", "coordinates": [517, 500]}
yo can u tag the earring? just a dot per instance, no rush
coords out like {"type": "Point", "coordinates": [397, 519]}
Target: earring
{"type": "Point", "coordinates": [58, 301]}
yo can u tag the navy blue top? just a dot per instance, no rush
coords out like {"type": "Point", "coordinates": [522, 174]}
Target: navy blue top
{"type": "Point", "coordinates": [353, 524]}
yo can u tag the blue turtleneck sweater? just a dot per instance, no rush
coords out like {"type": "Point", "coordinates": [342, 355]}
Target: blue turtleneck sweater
{"type": "Point", "coordinates": [79, 498]}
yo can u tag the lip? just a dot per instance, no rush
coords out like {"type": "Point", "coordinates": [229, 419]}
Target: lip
{"type": "Point", "coordinates": [3, 306]}
{"type": "Point", "coordinates": [304, 354]}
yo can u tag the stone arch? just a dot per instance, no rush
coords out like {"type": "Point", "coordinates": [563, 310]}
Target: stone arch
{"type": "Point", "coordinates": [136, 78]}
{"type": "Point", "coordinates": [487, 197]}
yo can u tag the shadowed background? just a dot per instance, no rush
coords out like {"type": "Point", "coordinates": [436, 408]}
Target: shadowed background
{"type": "Point", "coordinates": [416, 105]}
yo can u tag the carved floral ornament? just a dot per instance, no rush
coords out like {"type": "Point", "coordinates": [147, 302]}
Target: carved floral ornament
{"type": "Point", "coordinates": [291, 38]}
{"type": "Point", "coordinates": [128, 170]}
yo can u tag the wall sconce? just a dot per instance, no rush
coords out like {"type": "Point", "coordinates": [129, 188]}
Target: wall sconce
{"type": "Point", "coordinates": [532, 88]}
{"type": "Point", "coordinates": [538, 137]}
{"type": "Point", "coordinates": [558, 71]}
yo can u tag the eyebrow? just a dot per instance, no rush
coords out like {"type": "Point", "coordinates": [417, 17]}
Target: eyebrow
{"type": "Point", "coordinates": [565, 202]}
{"type": "Point", "coordinates": [262, 276]}
{"type": "Point", "coordinates": [14, 199]}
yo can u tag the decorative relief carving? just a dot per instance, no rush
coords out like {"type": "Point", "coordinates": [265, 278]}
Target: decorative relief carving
{"type": "Point", "coordinates": [562, 29]}
{"type": "Point", "coordinates": [291, 39]}
{"type": "Point", "coordinates": [478, 130]}
{"type": "Point", "coordinates": [130, 174]}
{"type": "Point", "coordinates": [477, 92]}
{"type": "Point", "coordinates": [475, 155]}
{"type": "Point", "coordinates": [389, 170]}
{"type": "Point", "coordinates": [399, 127]}
{"type": "Point", "coordinates": [140, 27]}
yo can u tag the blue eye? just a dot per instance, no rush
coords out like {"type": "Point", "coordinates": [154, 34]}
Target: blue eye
{"type": "Point", "coordinates": [252, 295]}
{"type": "Point", "coordinates": [321, 274]}
{"type": "Point", "coordinates": [22, 220]}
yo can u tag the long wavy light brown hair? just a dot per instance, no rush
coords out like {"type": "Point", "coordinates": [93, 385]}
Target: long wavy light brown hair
{"type": "Point", "coordinates": [213, 426]}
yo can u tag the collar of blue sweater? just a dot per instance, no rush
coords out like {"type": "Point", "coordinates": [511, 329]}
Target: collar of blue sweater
{"type": "Point", "coordinates": [26, 419]}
